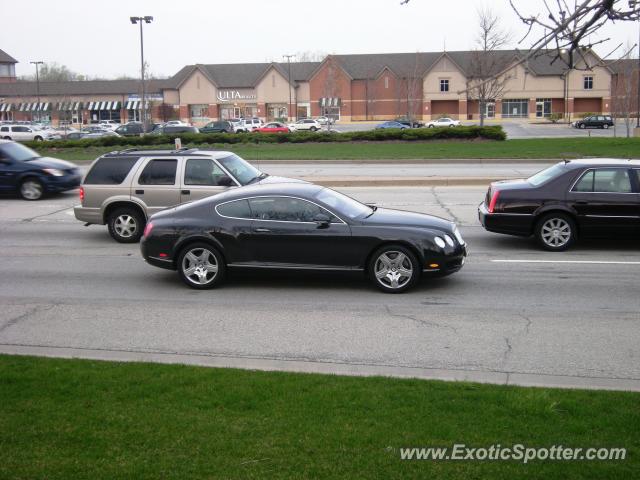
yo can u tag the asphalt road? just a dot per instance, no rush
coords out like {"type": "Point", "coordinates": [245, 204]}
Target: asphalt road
{"type": "Point", "coordinates": [507, 317]}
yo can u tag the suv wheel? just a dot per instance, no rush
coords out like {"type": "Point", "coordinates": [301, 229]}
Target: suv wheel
{"type": "Point", "coordinates": [313, 129]}
{"type": "Point", "coordinates": [31, 189]}
{"type": "Point", "coordinates": [393, 269]}
{"type": "Point", "coordinates": [201, 266]}
{"type": "Point", "coordinates": [582, 125]}
{"type": "Point", "coordinates": [38, 138]}
{"type": "Point", "coordinates": [556, 232]}
{"type": "Point", "coordinates": [605, 126]}
{"type": "Point", "coordinates": [126, 225]}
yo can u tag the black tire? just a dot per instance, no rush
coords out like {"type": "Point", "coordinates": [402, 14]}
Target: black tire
{"type": "Point", "coordinates": [384, 277]}
{"type": "Point", "coordinates": [556, 232]}
{"type": "Point", "coordinates": [31, 189]}
{"type": "Point", "coordinates": [38, 138]}
{"type": "Point", "coordinates": [126, 225]}
{"type": "Point", "coordinates": [313, 129]}
{"type": "Point", "coordinates": [583, 126]}
{"type": "Point", "coordinates": [6, 138]}
{"type": "Point", "coordinates": [201, 255]}
{"type": "Point", "coordinates": [605, 126]}
{"type": "Point", "coordinates": [430, 126]}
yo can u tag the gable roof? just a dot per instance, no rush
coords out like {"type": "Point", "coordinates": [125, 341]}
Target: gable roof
{"type": "Point", "coordinates": [6, 58]}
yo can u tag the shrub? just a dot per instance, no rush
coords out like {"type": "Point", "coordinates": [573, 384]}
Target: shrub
{"type": "Point", "coordinates": [381, 135]}
{"type": "Point", "coordinates": [554, 117]}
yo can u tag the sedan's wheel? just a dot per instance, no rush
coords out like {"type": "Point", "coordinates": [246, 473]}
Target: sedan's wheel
{"type": "Point", "coordinates": [31, 189]}
{"type": "Point", "coordinates": [556, 232]}
{"type": "Point", "coordinates": [38, 138]}
{"type": "Point", "coordinates": [313, 129]}
{"type": "Point", "coordinates": [393, 269]}
{"type": "Point", "coordinates": [605, 126]}
{"type": "Point", "coordinates": [430, 126]}
{"type": "Point", "coordinates": [582, 125]}
{"type": "Point", "coordinates": [126, 225]}
{"type": "Point", "coordinates": [201, 266]}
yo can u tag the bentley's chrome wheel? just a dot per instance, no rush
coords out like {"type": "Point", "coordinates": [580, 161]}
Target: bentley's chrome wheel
{"type": "Point", "coordinates": [393, 269]}
{"type": "Point", "coordinates": [200, 266]}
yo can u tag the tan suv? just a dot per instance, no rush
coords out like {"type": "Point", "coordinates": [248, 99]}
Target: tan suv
{"type": "Point", "coordinates": [123, 189]}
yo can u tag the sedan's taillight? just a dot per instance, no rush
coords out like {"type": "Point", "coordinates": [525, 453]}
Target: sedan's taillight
{"type": "Point", "coordinates": [81, 193]}
{"type": "Point", "coordinates": [147, 230]}
{"type": "Point", "coordinates": [494, 200]}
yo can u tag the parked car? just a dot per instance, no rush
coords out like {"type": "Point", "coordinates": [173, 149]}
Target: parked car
{"type": "Point", "coordinates": [300, 226]}
{"type": "Point", "coordinates": [131, 129]}
{"type": "Point", "coordinates": [273, 127]}
{"type": "Point", "coordinates": [177, 123]}
{"type": "Point", "coordinates": [24, 171]}
{"type": "Point", "coordinates": [306, 124]}
{"type": "Point", "coordinates": [577, 197]}
{"type": "Point", "coordinates": [98, 133]}
{"type": "Point", "coordinates": [75, 135]}
{"type": "Point", "coordinates": [411, 123]}
{"type": "Point", "coordinates": [391, 124]}
{"type": "Point", "coordinates": [173, 129]}
{"type": "Point", "coordinates": [219, 126]}
{"type": "Point", "coordinates": [252, 123]}
{"type": "Point", "coordinates": [594, 121]}
{"type": "Point", "coordinates": [23, 133]}
{"type": "Point", "coordinates": [122, 189]}
{"type": "Point", "coordinates": [443, 122]}
{"type": "Point", "coordinates": [325, 120]}
{"type": "Point", "coordinates": [110, 124]}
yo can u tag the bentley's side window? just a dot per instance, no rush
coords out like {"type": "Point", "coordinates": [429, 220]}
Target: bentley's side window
{"type": "Point", "coordinates": [285, 209]}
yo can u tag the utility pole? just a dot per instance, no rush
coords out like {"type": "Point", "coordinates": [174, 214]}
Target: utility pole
{"type": "Point", "coordinates": [143, 107]}
{"type": "Point", "coordinates": [632, 4]}
{"type": "Point", "coordinates": [289, 57]}
{"type": "Point", "coordinates": [36, 63]}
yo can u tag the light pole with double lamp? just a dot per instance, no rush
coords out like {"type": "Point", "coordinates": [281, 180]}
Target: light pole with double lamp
{"type": "Point", "coordinates": [143, 108]}
{"type": "Point", "coordinates": [633, 4]}
{"type": "Point", "coordinates": [36, 63]}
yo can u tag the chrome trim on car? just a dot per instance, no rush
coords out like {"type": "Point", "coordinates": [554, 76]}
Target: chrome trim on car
{"type": "Point", "coordinates": [297, 267]}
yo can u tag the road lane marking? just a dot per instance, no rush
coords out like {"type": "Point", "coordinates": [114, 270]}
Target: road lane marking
{"type": "Point", "coordinates": [587, 262]}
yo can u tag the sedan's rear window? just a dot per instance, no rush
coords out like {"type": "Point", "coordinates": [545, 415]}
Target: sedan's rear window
{"type": "Point", "coordinates": [546, 174]}
{"type": "Point", "coordinates": [110, 171]}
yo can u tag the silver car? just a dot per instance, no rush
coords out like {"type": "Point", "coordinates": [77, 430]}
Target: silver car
{"type": "Point", "coordinates": [123, 189]}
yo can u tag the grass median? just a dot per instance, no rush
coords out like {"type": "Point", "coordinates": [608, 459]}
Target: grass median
{"type": "Point", "coordinates": [69, 419]}
{"type": "Point", "coordinates": [552, 148]}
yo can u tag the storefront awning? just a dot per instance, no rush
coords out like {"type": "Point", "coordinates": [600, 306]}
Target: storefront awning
{"type": "Point", "coordinates": [133, 105]}
{"type": "Point", "coordinates": [330, 102]}
{"type": "Point", "coordinates": [5, 107]}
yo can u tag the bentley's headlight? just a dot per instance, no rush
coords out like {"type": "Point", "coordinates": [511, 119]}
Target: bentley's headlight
{"type": "Point", "coordinates": [449, 240]}
{"type": "Point", "coordinates": [54, 171]}
{"type": "Point", "coordinates": [456, 233]}
{"type": "Point", "coordinates": [439, 242]}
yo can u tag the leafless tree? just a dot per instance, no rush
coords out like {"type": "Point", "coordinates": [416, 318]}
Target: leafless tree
{"type": "Point", "coordinates": [331, 86]}
{"type": "Point", "coordinates": [414, 89]}
{"type": "Point", "coordinates": [567, 27]}
{"type": "Point", "coordinates": [488, 69]}
{"type": "Point", "coordinates": [624, 90]}
{"type": "Point", "coordinates": [310, 56]}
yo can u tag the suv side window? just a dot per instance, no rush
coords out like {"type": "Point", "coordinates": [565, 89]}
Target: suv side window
{"type": "Point", "coordinates": [605, 180]}
{"type": "Point", "coordinates": [110, 171]}
{"type": "Point", "coordinates": [202, 171]}
{"type": "Point", "coordinates": [159, 172]}
{"type": "Point", "coordinates": [4, 129]}
{"type": "Point", "coordinates": [285, 209]}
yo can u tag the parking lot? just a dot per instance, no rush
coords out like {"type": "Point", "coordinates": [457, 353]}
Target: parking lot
{"type": "Point", "coordinates": [514, 314]}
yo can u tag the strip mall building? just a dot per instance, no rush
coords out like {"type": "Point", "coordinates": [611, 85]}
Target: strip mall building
{"type": "Point", "coordinates": [348, 87]}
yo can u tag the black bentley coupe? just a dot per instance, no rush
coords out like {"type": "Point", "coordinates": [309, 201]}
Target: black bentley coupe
{"type": "Point", "coordinates": [299, 226]}
{"type": "Point", "coordinates": [571, 198]}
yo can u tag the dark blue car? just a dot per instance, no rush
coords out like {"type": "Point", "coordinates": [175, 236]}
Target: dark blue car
{"type": "Point", "coordinates": [25, 172]}
{"type": "Point", "coordinates": [391, 124]}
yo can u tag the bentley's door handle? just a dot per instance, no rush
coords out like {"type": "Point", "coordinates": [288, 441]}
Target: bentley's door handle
{"type": "Point", "coordinates": [581, 202]}
{"type": "Point", "coordinates": [261, 230]}
{"type": "Point", "coordinates": [186, 192]}
{"type": "Point", "coordinates": [139, 192]}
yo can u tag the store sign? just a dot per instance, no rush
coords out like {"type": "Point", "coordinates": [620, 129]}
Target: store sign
{"type": "Point", "coordinates": [235, 95]}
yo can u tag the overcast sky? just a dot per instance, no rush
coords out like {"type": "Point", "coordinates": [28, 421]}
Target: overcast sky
{"type": "Point", "coordinates": [96, 38]}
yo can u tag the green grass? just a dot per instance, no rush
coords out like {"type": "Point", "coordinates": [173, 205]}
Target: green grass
{"type": "Point", "coordinates": [69, 419]}
{"type": "Point", "coordinates": [524, 149]}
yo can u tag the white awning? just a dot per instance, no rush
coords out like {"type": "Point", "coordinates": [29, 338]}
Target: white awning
{"type": "Point", "coordinates": [45, 106]}
{"type": "Point", "coordinates": [76, 106]}
{"type": "Point", "coordinates": [115, 106]}
{"type": "Point", "coordinates": [133, 104]}
{"type": "Point", "coordinates": [3, 107]}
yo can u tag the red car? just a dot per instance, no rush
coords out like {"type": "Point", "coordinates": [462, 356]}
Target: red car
{"type": "Point", "coordinates": [273, 127]}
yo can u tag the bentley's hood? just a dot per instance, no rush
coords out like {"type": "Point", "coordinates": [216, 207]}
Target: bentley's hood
{"type": "Point", "coordinates": [400, 218]}
{"type": "Point", "coordinates": [276, 179]}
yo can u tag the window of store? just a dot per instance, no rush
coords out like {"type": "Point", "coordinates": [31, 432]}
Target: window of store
{"type": "Point", "coordinates": [199, 110]}
{"type": "Point", "coordinates": [515, 108]}
{"type": "Point", "coordinates": [134, 115]}
{"type": "Point", "coordinates": [386, 82]}
{"type": "Point", "coordinates": [444, 85]}
{"type": "Point", "coordinates": [332, 112]}
{"type": "Point", "coordinates": [543, 107]}
{"type": "Point", "coordinates": [276, 111]}
{"type": "Point", "coordinates": [588, 82]}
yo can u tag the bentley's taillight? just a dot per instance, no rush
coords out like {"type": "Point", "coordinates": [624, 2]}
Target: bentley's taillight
{"type": "Point", "coordinates": [147, 230]}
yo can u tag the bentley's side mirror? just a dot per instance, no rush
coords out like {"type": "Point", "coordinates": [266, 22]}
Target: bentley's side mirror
{"type": "Point", "coordinates": [322, 220]}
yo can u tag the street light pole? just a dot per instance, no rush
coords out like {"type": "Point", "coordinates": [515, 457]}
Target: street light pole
{"type": "Point", "coordinates": [143, 108]}
{"type": "Point", "coordinates": [633, 4]}
{"type": "Point", "coordinates": [289, 57]}
{"type": "Point", "coordinates": [36, 63]}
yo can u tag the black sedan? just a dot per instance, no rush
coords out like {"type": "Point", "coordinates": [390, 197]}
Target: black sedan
{"type": "Point", "coordinates": [299, 226]}
{"type": "Point", "coordinates": [24, 171]}
{"type": "Point", "coordinates": [586, 197]}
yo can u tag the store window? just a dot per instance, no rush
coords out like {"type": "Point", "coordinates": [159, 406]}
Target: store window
{"type": "Point", "coordinates": [444, 85]}
{"type": "Point", "coordinates": [200, 110]}
{"type": "Point", "coordinates": [588, 82]}
{"type": "Point", "coordinates": [386, 82]}
{"type": "Point", "coordinates": [516, 108]}
{"type": "Point", "coordinates": [543, 107]}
